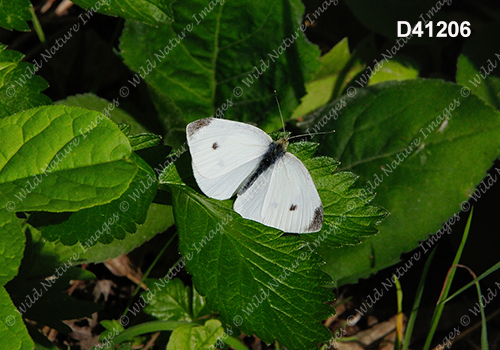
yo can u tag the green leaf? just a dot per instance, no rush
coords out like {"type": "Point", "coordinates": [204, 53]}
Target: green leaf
{"type": "Point", "coordinates": [113, 327]}
{"type": "Point", "coordinates": [60, 158]}
{"type": "Point", "coordinates": [196, 338]}
{"type": "Point", "coordinates": [170, 300]}
{"type": "Point", "coordinates": [151, 12]}
{"type": "Point", "coordinates": [192, 69]}
{"type": "Point", "coordinates": [159, 218]}
{"type": "Point", "coordinates": [396, 69]}
{"type": "Point", "coordinates": [12, 242]}
{"type": "Point", "coordinates": [476, 67]}
{"type": "Point", "coordinates": [111, 110]}
{"type": "Point", "coordinates": [103, 223]}
{"type": "Point", "coordinates": [338, 67]}
{"type": "Point", "coordinates": [144, 141]}
{"type": "Point", "coordinates": [19, 86]}
{"type": "Point", "coordinates": [12, 329]}
{"type": "Point", "coordinates": [248, 271]}
{"type": "Point", "coordinates": [14, 14]}
{"type": "Point", "coordinates": [395, 137]}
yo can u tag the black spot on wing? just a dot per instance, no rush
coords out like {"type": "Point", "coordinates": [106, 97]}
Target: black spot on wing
{"type": "Point", "coordinates": [193, 127]}
{"type": "Point", "coordinates": [317, 220]}
{"type": "Point", "coordinates": [215, 146]}
{"type": "Point", "coordinates": [293, 207]}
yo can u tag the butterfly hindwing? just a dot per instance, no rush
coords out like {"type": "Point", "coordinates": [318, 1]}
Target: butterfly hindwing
{"type": "Point", "coordinates": [284, 197]}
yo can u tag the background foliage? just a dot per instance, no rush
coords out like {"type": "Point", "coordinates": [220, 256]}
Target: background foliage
{"type": "Point", "coordinates": [85, 177]}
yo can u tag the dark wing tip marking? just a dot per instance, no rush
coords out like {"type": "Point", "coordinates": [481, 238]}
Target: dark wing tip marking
{"type": "Point", "coordinates": [293, 207]}
{"type": "Point", "coordinates": [215, 146]}
{"type": "Point", "coordinates": [193, 127]}
{"type": "Point", "coordinates": [317, 220]}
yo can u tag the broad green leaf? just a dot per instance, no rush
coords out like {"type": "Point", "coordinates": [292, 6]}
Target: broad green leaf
{"type": "Point", "coordinates": [12, 242]}
{"type": "Point", "coordinates": [338, 67]}
{"type": "Point", "coordinates": [110, 108]}
{"type": "Point", "coordinates": [270, 284]}
{"type": "Point", "coordinates": [196, 338]}
{"type": "Point", "coordinates": [169, 300]}
{"type": "Point", "coordinates": [220, 60]}
{"type": "Point", "coordinates": [396, 69]}
{"type": "Point", "coordinates": [395, 136]}
{"type": "Point", "coordinates": [12, 329]}
{"type": "Point", "coordinates": [38, 289]}
{"type": "Point", "coordinates": [14, 14]}
{"type": "Point", "coordinates": [151, 12]}
{"type": "Point", "coordinates": [105, 222]}
{"type": "Point", "coordinates": [60, 158]}
{"type": "Point", "coordinates": [159, 218]}
{"type": "Point", "coordinates": [19, 85]}
{"type": "Point", "coordinates": [477, 65]}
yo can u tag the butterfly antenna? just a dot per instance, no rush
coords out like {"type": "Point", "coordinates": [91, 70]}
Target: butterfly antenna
{"type": "Point", "coordinates": [313, 134]}
{"type": "Point", "coordinates": [279, 109]}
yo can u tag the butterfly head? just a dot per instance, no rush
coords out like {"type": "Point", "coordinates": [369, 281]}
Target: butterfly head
{"type": "Point", "coordinates": [282, 143]}
{"type": "Point", "coordinates": [281, 137]}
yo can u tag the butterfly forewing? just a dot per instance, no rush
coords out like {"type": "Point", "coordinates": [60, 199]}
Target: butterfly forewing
{"type": "Point", "coordinates": [224, 154]}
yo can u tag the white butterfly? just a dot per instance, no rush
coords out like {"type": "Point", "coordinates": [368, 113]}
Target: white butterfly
{"type": "Point", "coordinates": [273, 186]}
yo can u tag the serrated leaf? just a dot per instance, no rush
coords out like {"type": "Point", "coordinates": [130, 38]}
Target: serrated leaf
{"type": "Point", "coordinates": [303, 150]}
{"type": "Point", "coordinates": [14, 14]}
{"type": "Point", "coordinates": [170, 300]}
{"type": "Point", "coordinates": [159, 218]}
{"type": "Point", "coordinates": [151, 12]}
{"type": "Point", "coordinates": [60, 158]}
{"type": "Point", "coordinates": [19, 86]}
{"type": "Point", "coordinates": [348, 215]}
{"type": "Point", "coordinates": [143, 141]}
{"type": "Point", "coordinates": [338, 67]}
{"type": "Point", "coordinates": [196, 338]}
{"type": "Point", "coordinates": [476, 66]}
{"type": "Point", "coordinates": [12, 329]}
{"type": "Point", "coordinates": [395, 137]}
{"type": "Point", "coordinates": [192, 69]}
{"type": "Point", "coordinates": [105, 222]}
{"type": "Point", "coordinates": [248, 271]}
